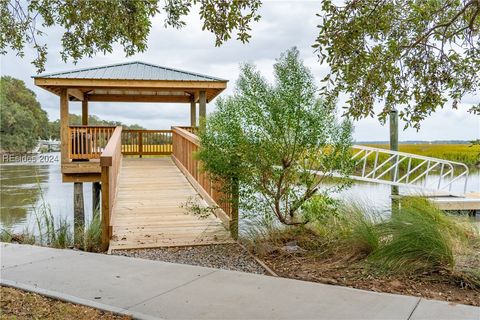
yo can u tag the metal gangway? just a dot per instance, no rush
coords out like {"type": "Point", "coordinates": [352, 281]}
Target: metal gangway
{"type": "Point", "coordinates": [422, 174]}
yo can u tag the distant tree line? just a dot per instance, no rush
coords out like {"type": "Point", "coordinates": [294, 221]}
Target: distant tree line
{"type": "Point", "coordinates": [23, 121]}
{"type": "Point", "coordinates": [93, 120]}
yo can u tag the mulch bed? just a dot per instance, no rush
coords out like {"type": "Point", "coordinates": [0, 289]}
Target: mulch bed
{"type": "Point", "coordinates": [19, 305]}
{"type": "Point", "coordinates": [305, 266]}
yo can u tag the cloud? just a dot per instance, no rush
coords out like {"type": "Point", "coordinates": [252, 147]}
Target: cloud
{"type": "Point", "coordinates": [284, 24]}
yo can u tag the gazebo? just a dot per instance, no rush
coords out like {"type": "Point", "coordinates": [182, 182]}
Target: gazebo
{"type": "Point", "coordinates": [94, 153]}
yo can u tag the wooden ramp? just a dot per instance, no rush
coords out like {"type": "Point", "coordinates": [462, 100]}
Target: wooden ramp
{"type": "Point", "coordinates": [147, 212]}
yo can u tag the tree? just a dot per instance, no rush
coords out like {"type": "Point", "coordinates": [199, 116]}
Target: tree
{"type": "Point", "coordinates": [272, 138]}
{"type": "Point", "coordinates": [92, 26]}
{"type": "Point", "coordinates": [23, 121]}
{"type": "Point", "coordinates": [410, 54]}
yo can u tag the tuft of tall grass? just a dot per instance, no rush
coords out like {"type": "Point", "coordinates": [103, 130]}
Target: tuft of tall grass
{"type": "Point", "coordinates": [91, 237]}
{"type": "Point", "coordinates": [420, 237]}
{"type": "Point", "coordinates": [51, 233]}
{"type": "Point", "coordinates": [364, 236]}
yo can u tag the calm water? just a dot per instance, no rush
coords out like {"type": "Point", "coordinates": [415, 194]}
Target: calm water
{"type": "Point", "coordinates": [25, 186]}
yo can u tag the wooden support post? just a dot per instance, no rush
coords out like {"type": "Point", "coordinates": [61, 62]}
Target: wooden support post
{"type": "Point", "coordinates": [105, 207]}
{"type": "Point", "coordinates": [234, 213]}
{"type": "Point", "coordinates": [193, 112]}
{"type": "Point", "coordinates": [85, 112]}
{"type": "Point", "coordinates": [96, 187]}
{"type": "Point", "coordinates": [140, 144]}
{"type": "Point", "coordinates": [64, 126]}
{"type": "Point", "coordinates": [394, 147]}
{"type": "Point", "coordinates": [78, 211]}
{"type": "Point", "coordinates": [202, 107]}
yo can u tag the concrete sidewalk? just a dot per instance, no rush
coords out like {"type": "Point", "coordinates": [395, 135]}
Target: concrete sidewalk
{"type": "Point", "coordinates": [151, 290]}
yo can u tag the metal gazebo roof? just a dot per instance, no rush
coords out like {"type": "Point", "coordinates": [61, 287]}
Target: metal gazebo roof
{"type": "Point", "coordinates": [132, 82]}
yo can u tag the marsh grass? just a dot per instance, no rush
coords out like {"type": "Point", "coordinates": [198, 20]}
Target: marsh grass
{"type": "Point", "coordinates": [421, 237]}
{"type": "Point", "coordinates": [25, 237]}
{"type": "Point", "coordinates": [91, 238]}
{"type": "Point", "coordinates": [57, 232]}
{"type": "Point", "coordinates": [51, 232]}
{"type": "Point", "coordinates": [465, 153]}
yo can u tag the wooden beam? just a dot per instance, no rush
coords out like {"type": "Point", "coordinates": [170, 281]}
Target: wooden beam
{"type": "Point", "coordinates": [196, 96]}
{"type": "Point", "coordinates": [81, 167]}
{"type": "Point", "coordinates": [193, 112]}
{"type": "Point", "coordinates": [108, 83]}
{"type": "Point", "coordinates": [76, 94]}
{"type": "Point", "coordinates": [85, 112]}
{"type": "Point", "coordinates": [203, 107]}
{"type": "Point", "coordinates": [81, 177]}
{"type": "Point", "coordinates": [64, 126]}
{"type": "Point", "coordinates": [139, 98]}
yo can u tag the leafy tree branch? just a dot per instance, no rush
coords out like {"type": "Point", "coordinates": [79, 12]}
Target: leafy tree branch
{"type": "Point", "coordinates": [409, 55]}
{"type": "Point", "coordinates": [91, 26]}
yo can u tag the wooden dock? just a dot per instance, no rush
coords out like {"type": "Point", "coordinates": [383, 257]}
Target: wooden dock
{"type": "Point", "coordinates": [471, 202]}
{"type": "Point", "coordinates": [148, 211]}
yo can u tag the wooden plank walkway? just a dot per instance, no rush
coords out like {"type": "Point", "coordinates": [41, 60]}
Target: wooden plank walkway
{"type": "Point", "coordinates": [147, 212]}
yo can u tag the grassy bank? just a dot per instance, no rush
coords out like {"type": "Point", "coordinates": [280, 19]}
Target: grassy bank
{"type": "Point", "coordinates": [57, 233]}
{"type": "Point", "coordinates": [465, 153]}
{"type": "Point", "coordinates": [418, 251]}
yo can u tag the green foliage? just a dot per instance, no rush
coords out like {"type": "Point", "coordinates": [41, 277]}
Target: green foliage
{"type": "Point", "coordinates": [50, 232]}
{"type": "Point", "coordinates": [343, 227]}
{"type": "Point", "coordinates": [270, 139]}
{"type": "Point", "coordinates": [22, 121]}
{"type": "Point", "coordinates": [58, 233]}
{"type": "Point", "coordinates": [420, 237]}
{"type": "Point", "coordinates": [25, 237]}
{"type": "Point", "coordinates": [417, 238]}
{"type": "Point", "coordinates": [410, 54]}
{"type": "Point", "coordinates": [96, 26]}
{"type": "Point", "coordinates": [91, 238]}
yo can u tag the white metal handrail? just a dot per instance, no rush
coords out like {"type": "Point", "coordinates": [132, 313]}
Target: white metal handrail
{"type": "Point", "coordinates": [388, 171]}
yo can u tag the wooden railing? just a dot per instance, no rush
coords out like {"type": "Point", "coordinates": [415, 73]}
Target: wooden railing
{"type": "Point", "coordinates": [147, 142]}
{"type": "Point", "coordinates": [87, 142]}
{"type": "Point", "coordinates": [185, 144]}
{"type": "Point", "coordinates": [110, 161]}
{"type": "Point", "coordinates": [193, 130]}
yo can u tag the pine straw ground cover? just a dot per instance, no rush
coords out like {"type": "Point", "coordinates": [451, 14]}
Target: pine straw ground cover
{"type": "Point", "coordinates": [419, 251]}
{"type": "Point", "coordinates": [17, 304]}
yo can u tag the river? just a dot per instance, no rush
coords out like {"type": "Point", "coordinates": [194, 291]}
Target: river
{"type": "Point", "coordinates": [24, 186]}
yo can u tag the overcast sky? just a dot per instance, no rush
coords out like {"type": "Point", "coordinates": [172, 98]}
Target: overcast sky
{"type": "Point", "coordinates": [284, 24]}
